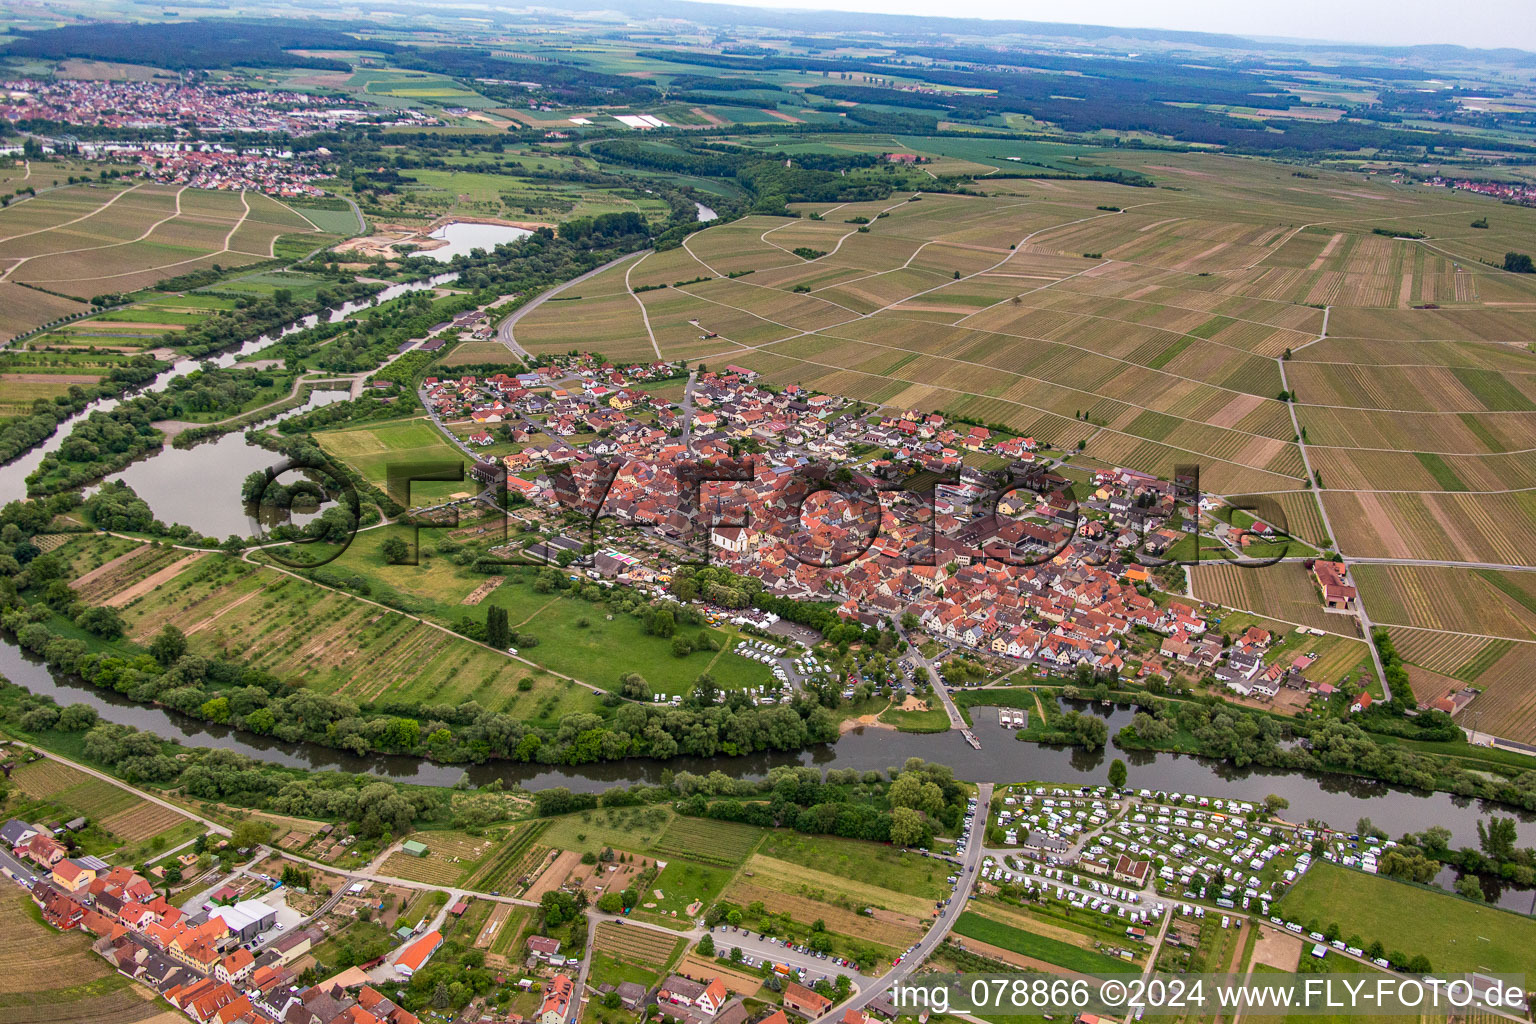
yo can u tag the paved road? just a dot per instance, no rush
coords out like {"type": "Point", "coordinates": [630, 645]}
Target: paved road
{"type": "Point", "coordinates": [504, 333]}
{"type": "Point", "coordinates": [693, 378]}
{"type": "Point", "coordinates": [759, 947]}
{"type": "Point", "coordinates": [941, 926]}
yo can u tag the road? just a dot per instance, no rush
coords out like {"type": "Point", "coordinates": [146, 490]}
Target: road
{"type": "Point", "coordinates": [939, 930]}
{"type": "Point", "coordinates": [759, 947]}
{"type": "Point", "coordinates": [504, 332]}
{"type": "Point", "coordinates": [693, 378]}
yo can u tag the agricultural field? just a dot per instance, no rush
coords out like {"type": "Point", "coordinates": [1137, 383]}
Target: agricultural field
{"type": "Point", "coordinates": [1459, 628]}
{"type": "Point", "coordinates": [514, 857]}
{"type": "Point", "coordinates": [1284, 591]}
{"type": "Point", "coordinates": [50, 976]}
{"type": "Point", "coordinates": [1154, 333]}
{"type": "Point", "coordinates": [862, 864]}
{"type": "Point", "coordinates": [643, 946]}
{"type": "Point", "coordinates": [1455, 934]}
{"type": "Point", "coordinates": [451, 857]}
{"type": "Point", "coordinates": [724, 843]}
{"type": "Point", "coordinates": [93, 239]}
{"type": "Point", "coordinates": [316, 637]}
{"type": "Point", "coordinates": [117, 816]}
{"type": "Point", "coordinates": [1039, 950]}
{"type": "Point", "coordinates": [1485, 602]}
{"type": "Point", "coordinates": [576, 637]}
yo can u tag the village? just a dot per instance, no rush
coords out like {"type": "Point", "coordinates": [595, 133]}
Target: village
{"type": "Point", "coordinates": [1015, 555]}
{"type": "Point", "coordinates": [223, 956]}
{"type": "Point", "coordinates": [184, 107]}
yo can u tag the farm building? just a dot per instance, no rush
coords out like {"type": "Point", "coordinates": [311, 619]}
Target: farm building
{"type": "Point", "coordinates": [415, 956]}
{"type": "Point", "coordinates": [414, 848]}
{"type": "Point", "coordinates": [245, 919]}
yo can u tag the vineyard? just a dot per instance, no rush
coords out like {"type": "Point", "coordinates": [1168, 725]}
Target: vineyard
{"type": "Point", "coordinates": [512, 860]}
{"type": "Point", "coordinates": [1285, 591]}
{"type": "Point", "coordinates": [141, 822]}
{"type": "Point", "coordinates": [1507, 705]}
{"type": "Point", "coordinates": [1458, 655]}
{"type": "Point", "coordinates": [638, 945]}
{"type": "Point", "coordinates": [46, 976]}
{"type": "Point", "coordinates": [722, 843]}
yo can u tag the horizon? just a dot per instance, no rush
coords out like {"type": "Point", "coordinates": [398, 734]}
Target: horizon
{"type": "Point", "coordinates": [1497, 24]}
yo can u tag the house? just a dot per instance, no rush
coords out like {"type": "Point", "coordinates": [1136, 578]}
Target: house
{"type": "Point", "coordinates": [706, 997]}
{"type": "Point", "coordinates": [236, 967]}
{"type": "Point", "coordinates": [557, 1000]}
{"type": "Point", "coordinates": [415, 955]}
{"type": "Point", "coordinates": [1132, 872]}
{"type": "Point", "coordinates": [41, 849]}
{"type": "Point", "coordinates": [1361, 702]}
{"type": "Point", "coordinates": [803, 1000]}
{"type": "Point", "coordinates": [543, 946]}
{"type": "Point", "coordinates": [71, 875]}
{"type": "Point", "coordinates": [15, 832]}
{"type": "Point", "coordinates": [631, 995]}
{"type": "Point", "coordinates": [713, 998]}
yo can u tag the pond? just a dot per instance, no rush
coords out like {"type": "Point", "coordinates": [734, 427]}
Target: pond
{"type": "Point", "coordinates": [464, 236]}
{"type": "Point", "coordinates": [200, 486]}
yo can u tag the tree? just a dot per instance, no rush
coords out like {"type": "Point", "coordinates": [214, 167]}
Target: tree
{"type": "Point", "coordinates": [1468, 887]}
{"type": "Point", "coordinates": [707, 945]}
{"type": "Point", "coordinates": [498, 631]}
{"type": "Point", "coordinates": [77, 718]}
{"type": "Point", "coordinates": [908, 827]}
{"type": "Point", "coordinates": [102, 621]}
{"type": "Point", "coordinates": [1519, 263]}
{"type": "Point", "coordinates": [1274, 803]}
{"type": "Point", "coordinates": [395, 550]}
{"type": "Point", "coordinates": [1117, 773]}
{"type": "Point", "coordinates": [610, 903]}
{"type": "Point", "coordinates": [1497, 838]}
{"type": "Point", "coordinates": [249, 834]}
{"type": "Point", "coordinates": [168, 645]}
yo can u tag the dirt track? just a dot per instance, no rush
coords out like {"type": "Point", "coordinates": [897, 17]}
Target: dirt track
{"type": "Point", "coordinates": [152, 581]}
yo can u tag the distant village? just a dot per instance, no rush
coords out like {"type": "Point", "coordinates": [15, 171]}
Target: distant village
{"type": "Point", "coordinates": [192, 113]}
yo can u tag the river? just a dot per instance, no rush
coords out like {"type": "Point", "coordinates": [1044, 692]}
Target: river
{"type": "Point", "coordinates": [13, 475]}
{"type": "Point", "coordinates": [1337, 800]}
{"type": "Point", "coordinates": [221, 465]}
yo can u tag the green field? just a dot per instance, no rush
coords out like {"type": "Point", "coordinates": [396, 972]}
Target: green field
{"type": "Point", "coordinates": [871, 864]}
{"type": "Point", "coordinates": [1455, 934]}
{"type": "Point", "coordinates": [635, 829]}
{"type": "Point", "coordinates": [371, 450]}
{"type": "Point", "coordinates": [1040, 947]}
{"type": "Point", "coordinates": [586, 640]}
{"type": "Point", "coordinates": [683, 883]}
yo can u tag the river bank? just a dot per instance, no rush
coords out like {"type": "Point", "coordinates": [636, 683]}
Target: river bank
{"type": "Point", "coordinates": [1339, 800]}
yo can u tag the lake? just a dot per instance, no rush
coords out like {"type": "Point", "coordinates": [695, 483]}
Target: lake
{"type": "Point", "coordinates": [463, 237]}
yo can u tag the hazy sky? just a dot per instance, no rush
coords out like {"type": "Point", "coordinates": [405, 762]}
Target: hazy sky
{"type": "Point", "coordinates": [1483, 23]}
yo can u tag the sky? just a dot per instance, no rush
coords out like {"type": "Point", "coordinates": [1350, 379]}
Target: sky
{"type": "Point", "coordinates": [1480, 23]}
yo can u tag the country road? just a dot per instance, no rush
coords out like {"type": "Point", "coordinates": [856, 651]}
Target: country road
{"type": "Point", "coordinates": [941, 926]}
{"type": "Point", "coordinates": [504, 332]}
